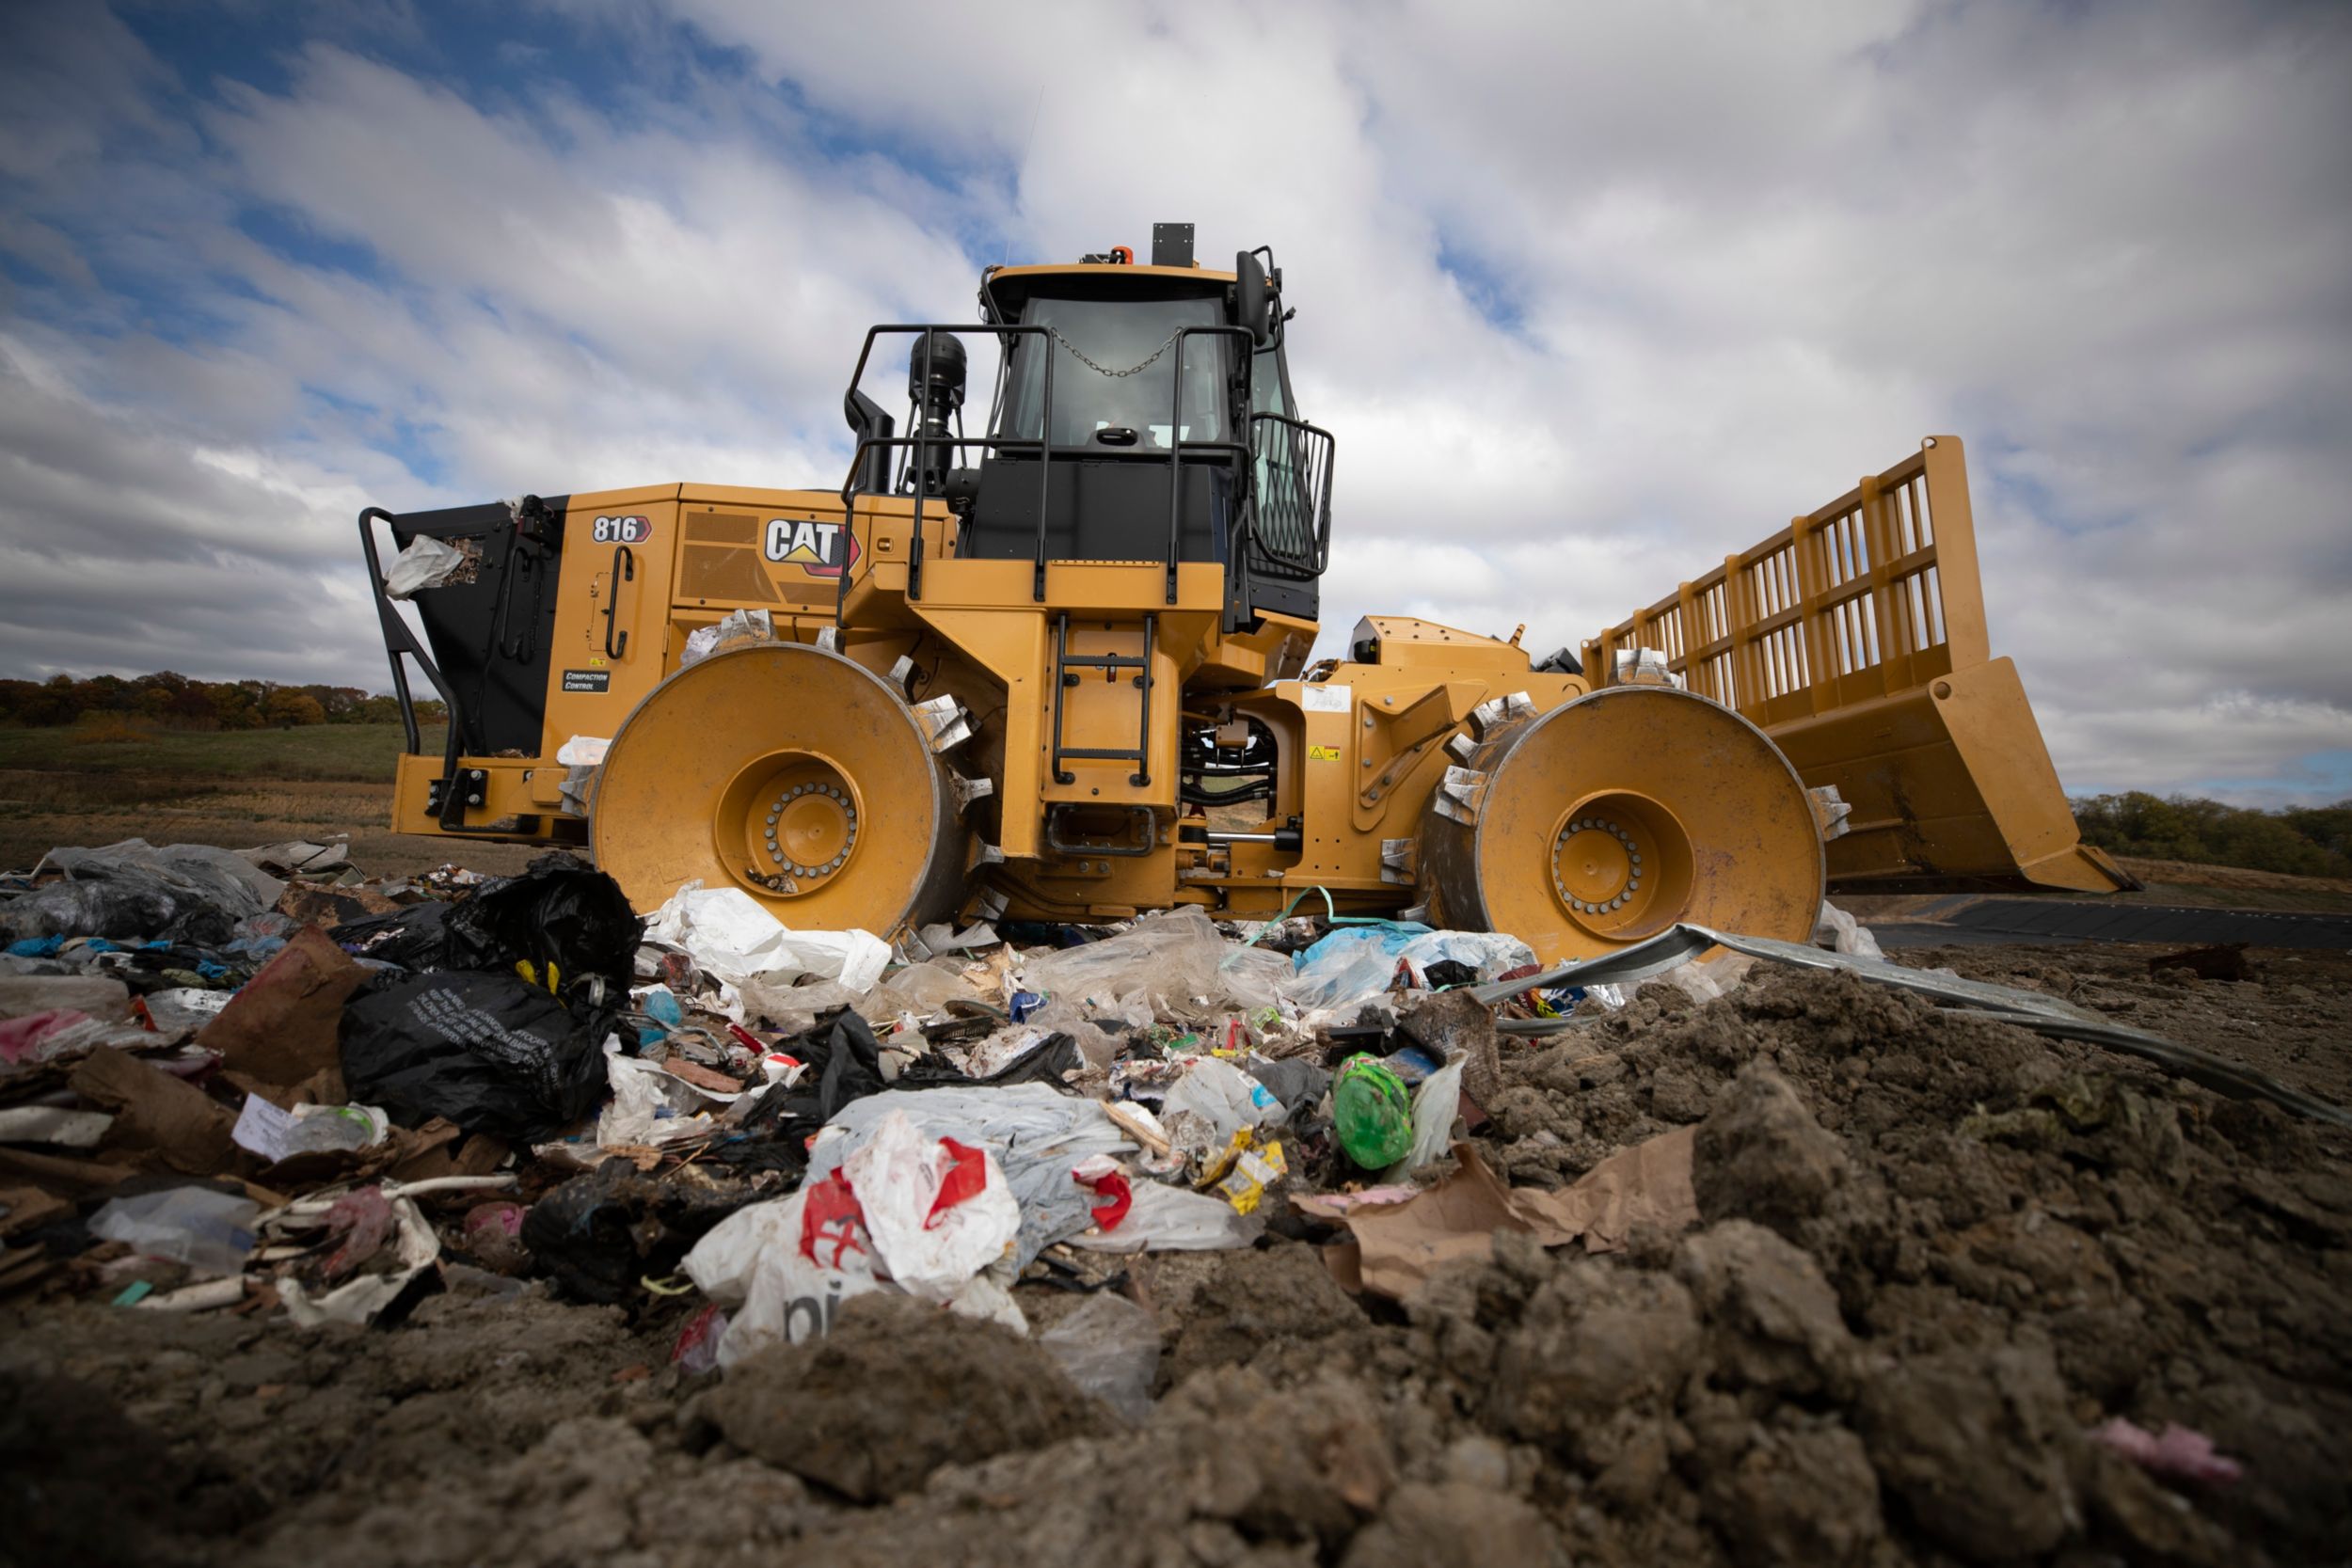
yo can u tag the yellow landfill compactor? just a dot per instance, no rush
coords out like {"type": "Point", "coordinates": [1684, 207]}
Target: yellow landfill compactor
{"type": "Point", "coordinates": [1053, 666]}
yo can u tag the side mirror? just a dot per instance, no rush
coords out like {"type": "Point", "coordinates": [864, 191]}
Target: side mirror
{"type": "Point", "coordinates": [1253, 302]}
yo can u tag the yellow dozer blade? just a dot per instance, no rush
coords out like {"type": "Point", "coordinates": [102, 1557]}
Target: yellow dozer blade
{"type": "Point", "coordinates": [1856, 638]}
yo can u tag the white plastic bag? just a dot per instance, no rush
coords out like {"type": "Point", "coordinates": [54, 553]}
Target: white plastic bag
{"type": "Point", "coordinates": [752, 1263]}
{"type": "Point", "coordinates": [922, 989]}
{"type": "Point", "coordinates": [1436, 1103]}
{"type": "Point", "coordinates": [430, 563]}
{"type": "Point", "coordinates": [734, 938]}
{"type": "Point", "coordinates": [930, 1252]}
{"type": "Point", "coordinates": [1222, 1095]}
{"type": "Point", "coordinates": [1037, 1135]}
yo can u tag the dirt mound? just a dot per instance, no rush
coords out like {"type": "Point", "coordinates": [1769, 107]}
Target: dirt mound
{"type": "Point", "coordinates": [896, 1390]}
{"type": "Point", "coordinates": [1935, 1255]}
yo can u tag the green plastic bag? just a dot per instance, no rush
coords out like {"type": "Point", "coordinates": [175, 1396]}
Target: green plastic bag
{"type": "Point", "coordinates": [1373, 1112]}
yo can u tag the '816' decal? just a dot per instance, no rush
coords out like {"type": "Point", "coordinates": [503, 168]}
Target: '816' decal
{"type": "Point", "coordinates": [622, 531]}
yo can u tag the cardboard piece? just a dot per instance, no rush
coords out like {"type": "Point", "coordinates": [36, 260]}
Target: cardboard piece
{"type": "Point", "coordinates": [281, 1027]}
{"type": "Point", "coordinates": [155, 1113]}
{"type": "Point", "coordinates": [332, 905]}
{"type": "Point", "coordinates": [30, 1208]}
{"type": "Point", "coordinates": [1648, 1183]}
{"type": "Point", "coordinates": [61, 1173]}
{"type": "Point", "coordinates": [1401, 1243]}
{"type": "Point", "coordinates": [102, 996]}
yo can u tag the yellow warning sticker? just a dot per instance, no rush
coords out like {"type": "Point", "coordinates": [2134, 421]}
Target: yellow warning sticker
{"type": "Point", "coordinates": [1323, 753]}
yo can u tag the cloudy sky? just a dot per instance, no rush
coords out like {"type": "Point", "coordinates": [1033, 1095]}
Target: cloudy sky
{"type": "Point", "coordinates": [1591, 294]}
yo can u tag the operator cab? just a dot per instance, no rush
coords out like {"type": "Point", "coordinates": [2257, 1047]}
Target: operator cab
{"type": "Point", "coordinates": [1137, 414]}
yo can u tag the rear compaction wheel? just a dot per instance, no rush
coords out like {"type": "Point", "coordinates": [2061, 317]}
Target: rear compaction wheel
{"type": "Point", "coordinates": [1613, 816]}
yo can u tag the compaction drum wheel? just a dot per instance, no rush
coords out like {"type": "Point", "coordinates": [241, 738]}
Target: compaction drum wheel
{"type": "Point", "coordinates": [1613, 816]}
{"type": "Point", "coordinates": [800, 776]}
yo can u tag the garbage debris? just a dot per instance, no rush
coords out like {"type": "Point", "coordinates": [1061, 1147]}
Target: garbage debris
{"type": "Point", "coordinates": [1406, 1234]}
{"type": "Point", "coordinates": [1221, 1178]}
{"type": "Point", "coordinates": [1373, 1112]}
{"type": "Point", "coordinates": [280, 1026]}
{"type": "Point", "coordinates": [430, 563]}
{"type": "Point", "coordinates": [559, 923]}
{"type": "Point", "coordinates": [179, 893]}
{"type": "Point", "coordinates": [1110, 1348]}
{"type": "Point", "coordinates": [209, 1231]}
{"type": "Point", "coordinates": [2176, 1452]}
{"type": "Point", "coordinates": [1356, 963]}
{"type": "Point", "coordinates": [493, 1053]}
{"type": "Point", "coordinates": [734, 938]}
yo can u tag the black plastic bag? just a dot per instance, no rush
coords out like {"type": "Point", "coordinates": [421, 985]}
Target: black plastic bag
{"type": "Point", "coordinates": [492, 1052]}
{"type": "Point", "coordinates": [1042, 1063]}
{"type": "Point", "coordinates": [844, 1064]}
{"type": "Point", "coordinates": [600, 1233]}
{"type": "Point", "coordinates": [562, 916]}
{"type": "Point", "coordinates": [415, 937]}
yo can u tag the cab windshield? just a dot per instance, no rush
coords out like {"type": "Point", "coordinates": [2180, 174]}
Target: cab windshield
{"type": "Point", "coordinates": [1115, 369]}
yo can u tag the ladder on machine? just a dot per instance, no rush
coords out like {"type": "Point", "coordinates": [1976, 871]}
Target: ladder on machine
{"type": "Point", "coordinates": [1067, 666]}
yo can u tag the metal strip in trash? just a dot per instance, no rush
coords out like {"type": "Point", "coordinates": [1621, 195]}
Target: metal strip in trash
{"type": "Point", "coordinates": [2048, 1015]}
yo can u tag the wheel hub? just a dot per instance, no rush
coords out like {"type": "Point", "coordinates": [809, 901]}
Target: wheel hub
{"type": "Point", "coordinates": [1621, 865]}
{"type": "Point", "coordinates": [797, 818]}
{"type": "Point", "coordinates": [1596, 866]}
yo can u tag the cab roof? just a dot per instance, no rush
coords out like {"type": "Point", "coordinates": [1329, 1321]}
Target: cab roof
{"type": "Point", "coordinates": [1009, 289]}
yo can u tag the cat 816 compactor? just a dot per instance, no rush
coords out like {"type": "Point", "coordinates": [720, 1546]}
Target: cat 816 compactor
{"type": "Point", "coordinates": [1058, 669]}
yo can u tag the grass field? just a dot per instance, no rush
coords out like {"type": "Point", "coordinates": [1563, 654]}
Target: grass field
{"type": "Point", "coordinates": [357, 752]}
{"type": "Point", "coordinates": [233, 788]}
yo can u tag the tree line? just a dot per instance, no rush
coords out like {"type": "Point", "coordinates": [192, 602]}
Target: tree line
{"type": "Point", "coordinates": [2304, 841]}
{"type": "Point", "coordinates": [173, 700]}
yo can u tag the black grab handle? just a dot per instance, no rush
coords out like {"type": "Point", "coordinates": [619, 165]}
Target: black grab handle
{"type": "Point", "coordinates": [624, 570]}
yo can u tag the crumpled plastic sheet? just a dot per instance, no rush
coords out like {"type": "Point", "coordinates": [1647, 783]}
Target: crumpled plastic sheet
{"type": "Point", "coordinates": [179, 893]}
{"type": "Point", "coordinates": [1162, 1218]}
{"type": "Point", "coordinates": [651, 1106]}
{"type": "Point", "coordinates": [1356, 963]}
{"type": "Point", "coordinates": [1110, 1348]}
{"type": "Point", "coordinates": [732, 938]}
{"type": "Point", "coordinates": [209, 1231]}
{"type": "Point", "coordinates": [1170, 965]}
{"type": "Point", "coordinates": [1843, 933]}
{"type": "Point", "coordinates": [1037, 1135]}
{"type": "Point", "coordinates": [922, 989]}
{"type": "Point", "coordinates": [737, 628]}
{"type": "Point", "coordinates": [429, 563]}
{"type": "Point", "coordinates": [1225, 1097]}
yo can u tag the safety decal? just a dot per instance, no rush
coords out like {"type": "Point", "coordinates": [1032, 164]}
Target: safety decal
{"type": "Point", "coordinates": [1323, 753]}
{"type": "Point", "coordinates": [622, 531]}
{"type": "Point", "coordinates": [817, 548]}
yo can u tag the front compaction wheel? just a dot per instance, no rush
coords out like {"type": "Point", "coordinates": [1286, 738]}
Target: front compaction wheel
{"type": "Point", "coordinates": [1611, 818]}
{"type": "Point", "coordinates": [800, 776]}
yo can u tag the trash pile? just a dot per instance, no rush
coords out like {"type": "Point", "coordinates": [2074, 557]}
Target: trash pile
{"type": "Point", "coordinates": [269, 1082]}
{"type": "Point", "coordinates": [259, 1086]}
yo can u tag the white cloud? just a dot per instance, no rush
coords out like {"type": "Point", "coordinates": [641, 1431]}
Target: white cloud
{"type": "Point", "coordinates": [1590, 295]}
